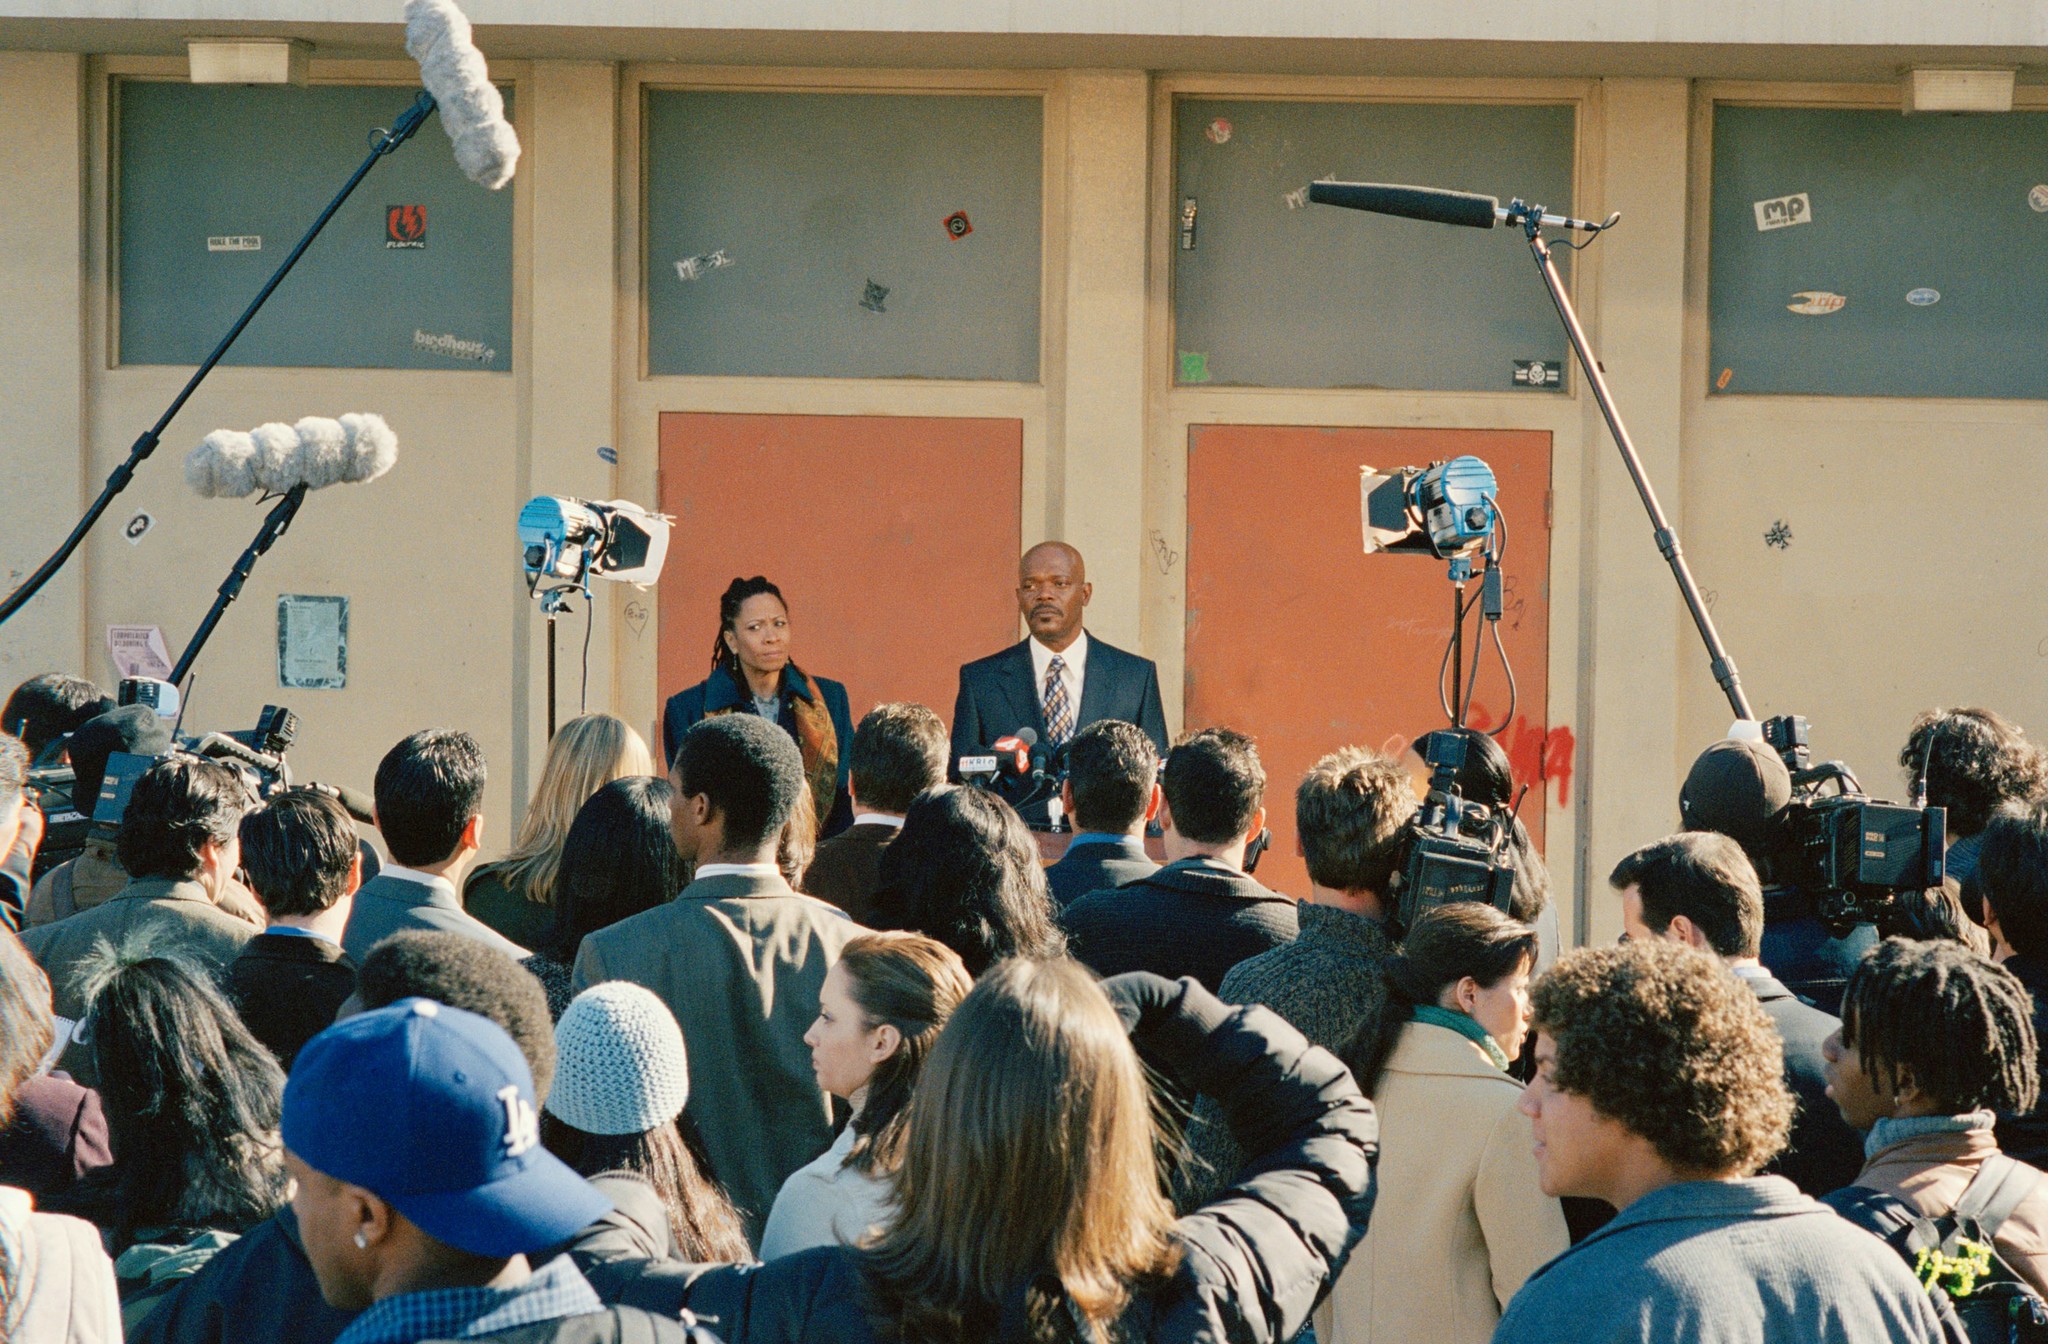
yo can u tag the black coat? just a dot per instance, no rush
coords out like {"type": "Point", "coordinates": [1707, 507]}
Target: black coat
{"type": "Point", "coordinates": [1097, 866]}
{"type": "Point", "coordinates": [1825, 1153]}
{"type": "Point", "coordinates": [288, 988]}
{"type": "Point", "coordinates": [1194, 917]}
{"type": "Point", "coordinates": [1254, 1262]}
{"type": "Point", "coordinates": [998, 696]}
{"type": "Point", "coordinates": [847, 868]}
{"type": "Point", "coordinates": [2026, 1136]}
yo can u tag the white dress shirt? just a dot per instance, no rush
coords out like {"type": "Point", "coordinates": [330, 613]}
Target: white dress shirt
{"type": "Point", "coordinates": [1075, 672]}
{"type": "Point", "coordinates": [735, 870]}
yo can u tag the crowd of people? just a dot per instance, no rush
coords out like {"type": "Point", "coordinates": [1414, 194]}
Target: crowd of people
{"type": "Point", "coordinates": [772, 1046]}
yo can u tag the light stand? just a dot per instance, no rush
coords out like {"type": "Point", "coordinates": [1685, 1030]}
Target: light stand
{"type": "Point", "coordinates": [279, 518]}
{"type": "Point", "coordinates": [553, 602]}
{"type": "Point", "coordinates": [1531, 219]}
{"type": "Point", "coordinates": [381, 143]}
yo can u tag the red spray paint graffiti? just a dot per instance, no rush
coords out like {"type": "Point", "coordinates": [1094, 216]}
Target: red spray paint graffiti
{"type": "Point", "coordinates": [1536, 757]}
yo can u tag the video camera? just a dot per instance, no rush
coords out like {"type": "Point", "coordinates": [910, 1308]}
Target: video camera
{"type": "Point", "coordinates": [257, 754]}
{"type": "Point", "coordinates": [1849, 853]}
{"type": "Point", "coordinates": [1455, 850]}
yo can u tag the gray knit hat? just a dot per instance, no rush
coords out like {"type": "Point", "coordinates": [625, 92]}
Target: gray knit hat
{"type": "Point", "coordinates": [619, 1061]}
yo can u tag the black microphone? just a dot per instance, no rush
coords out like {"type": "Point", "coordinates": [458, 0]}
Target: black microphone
{"type": "Point", "coordinates": [357, 803]}
{"type": "Point", "coordinates": [1431, 204]}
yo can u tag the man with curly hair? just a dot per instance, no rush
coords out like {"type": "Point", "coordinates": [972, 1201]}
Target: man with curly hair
{"type": "Point", "coordinates": [1971, 762]}
{"type": "Point", "coordinates": [1659, 1088]}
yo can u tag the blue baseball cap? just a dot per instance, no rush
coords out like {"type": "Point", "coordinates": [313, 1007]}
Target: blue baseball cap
{"type": "Point", "coordinates": [431, 1109]}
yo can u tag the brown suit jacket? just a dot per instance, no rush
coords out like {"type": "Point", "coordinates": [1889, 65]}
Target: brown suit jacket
{"type": "Point", "coordinates": [739, 960]}
{"type": "Point", "coordinates": [846, 867]}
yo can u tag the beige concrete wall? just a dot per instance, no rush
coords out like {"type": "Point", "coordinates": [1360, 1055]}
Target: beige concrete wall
{"type": "Point", "coordinates": [42, 415]}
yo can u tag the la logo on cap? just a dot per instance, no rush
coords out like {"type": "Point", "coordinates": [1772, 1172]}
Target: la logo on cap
{"type": "Point", "coordinates": [522, 1126]}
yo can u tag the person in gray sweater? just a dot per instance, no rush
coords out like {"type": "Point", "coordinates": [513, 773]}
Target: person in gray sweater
{"type": "Point", "coordinates": [1659, 1088]}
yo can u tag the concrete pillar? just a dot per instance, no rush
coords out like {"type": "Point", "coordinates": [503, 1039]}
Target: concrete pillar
{"type": "Point", "coordinates": [1634, 650]}
{"type": "Point", "coordinates": [42, 416]}
{"type": "Point", "coordinates": [566, 381]}
{"type": "Point", "coordinates": [1097, 377]}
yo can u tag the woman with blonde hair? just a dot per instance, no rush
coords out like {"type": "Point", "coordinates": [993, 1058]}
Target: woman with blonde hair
{"type": "Point", "coordinates": [1462, 1221]}
{"type": "Point", "coordinates": [516, 894]}
{"type": "Point", "coordinates": [879, 1013]}
{"type": "Point", "coordinates": [1028, 1205]}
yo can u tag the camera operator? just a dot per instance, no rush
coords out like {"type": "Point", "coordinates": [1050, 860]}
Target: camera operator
{"type": "Point", "coordinates": [179, 845]}
{"type": "Point", "coordinates": [1742, 790]}
{"type": "Point", "coordinates": [1971, 761]}
{"type": "Point", "coordinates": [45, 710]}
{"type": "Point", "coordinates": [96, 874]}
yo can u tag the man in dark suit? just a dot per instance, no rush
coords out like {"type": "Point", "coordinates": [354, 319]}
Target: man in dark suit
{"type": "Point", "coordinates": [1111, 791]}
{"type": "Point", "coordinates": [1700, 888]}
{"type": "Point", "coordinates": [301, 856]}
{"type": "Point", "coordinates": [1202, 913]}
{"type": "Point", "coordinates": [430, 794]}
{"type": "Point", "coordinates": [1059, 679]}
{"type": "Point", "coordinates": [898, 752]}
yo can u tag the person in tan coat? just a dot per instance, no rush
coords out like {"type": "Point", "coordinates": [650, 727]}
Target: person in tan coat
{"type": "Point", "coordinates": [1460, 1220]}
{"type": "Point", "coordinates": [1935, 1041]}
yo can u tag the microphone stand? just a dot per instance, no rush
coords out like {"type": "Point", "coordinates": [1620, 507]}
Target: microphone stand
{"type": "Point", "coordinates": [279, 519]}
{"type": "Point", "coordinates": [382, 143]}
{"type": "Point", "coordinates": [1532, 219]}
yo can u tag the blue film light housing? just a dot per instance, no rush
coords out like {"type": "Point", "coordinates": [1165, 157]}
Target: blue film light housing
{"type": "Point", "coordinates": [1445, 509]}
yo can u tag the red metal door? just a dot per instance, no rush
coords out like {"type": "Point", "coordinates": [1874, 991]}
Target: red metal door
{"type": "Point", "coordinates": [1299, 638]}
{"type": "Point", "coordinates": [895, 540]}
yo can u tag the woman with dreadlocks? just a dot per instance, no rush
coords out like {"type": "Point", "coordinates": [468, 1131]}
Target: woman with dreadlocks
{"type": "Point", "coordinates": [752, 673]}
{"type": "Point", "coordinates": [1934, 1040]}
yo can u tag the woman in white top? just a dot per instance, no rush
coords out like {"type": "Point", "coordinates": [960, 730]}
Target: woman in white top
{"type": "Point", "coordinates": [1460, 1220]}
{"type": "Point", "coordinates": [879, 1012]}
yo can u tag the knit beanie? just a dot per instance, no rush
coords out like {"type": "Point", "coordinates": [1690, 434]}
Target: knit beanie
{"type": "Point", "coordinates": [619, 1061]}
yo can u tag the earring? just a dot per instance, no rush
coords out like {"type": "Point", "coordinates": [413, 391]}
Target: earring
{"type": "Point", "coordinates": [362, 1242]}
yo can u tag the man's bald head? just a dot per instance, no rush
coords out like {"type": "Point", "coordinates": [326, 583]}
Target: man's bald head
{"type": "Point", "coordinates": [1053, 592]}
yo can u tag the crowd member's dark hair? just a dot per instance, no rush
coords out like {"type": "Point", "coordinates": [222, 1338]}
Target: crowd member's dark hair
{"type": "Point", "coordinates": [130, 728]}
{"type": "Point", "coordinates": [1111, 767]}
{"type": "Point", "coordinates": [706, 1228]}
{"type": "Point", "coordinates": [427, 788]}
{"type": "Point", "coordinates": [749, 768]}
{"type": "Point", "coordinates": [1487, 777]}
{"type": "Point", "coordinates": [965, 870]}
{"type": "Point", "coordinates": [1959, 1025]}
{"type": "Point", "coordinates": [1214, 785]}
{"type": "Point", "coordinates": [912, 983]}
{"type": "Point", "coordinates": [899, 751]}
{"type": "Point", "coordinates": [1938, 912]}
{"type": "Point", "coordinates": [2012, 875]}
{"type": "Point", "coordinates": [1351, 813]}
{"type": "Point", "coordinates": [46, 708]}
{"type": "Point", "coordinates": [618, 859]}
{"type": "Point", "coordinates": [177, 807]}
{"type": "Point", "coordinates": [1448, 943]}
{"type": "Point", "coordinates": [191, 1099]}
{"type": "Point", "coordinates": [298, 850]}
{"type": "Point", "coordinates": [466, 973]}
{"type": "Point", "coordinates": [13, 768]}
{"type": "Point", "coordinates": [1704, 876]}
{"type": "Point", "coordinates": [729, 602]}
{"type": "Point", "coordinates": [1975, 760]}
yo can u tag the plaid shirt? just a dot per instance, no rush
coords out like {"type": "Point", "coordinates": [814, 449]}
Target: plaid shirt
{"type": "Point", "coordinates": [555, 1290]}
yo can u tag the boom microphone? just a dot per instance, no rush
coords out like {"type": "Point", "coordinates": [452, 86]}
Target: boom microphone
{"type": "Point", "coordinates": [1431, 204]}
{"type": "Point", "coordinates": [316, 453]}
{"type": "Point", "coordinates": [472, 110]}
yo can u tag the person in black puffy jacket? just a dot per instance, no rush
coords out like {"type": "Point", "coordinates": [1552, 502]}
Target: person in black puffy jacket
{"type": "Point", "coordinates": [1029, 1204]}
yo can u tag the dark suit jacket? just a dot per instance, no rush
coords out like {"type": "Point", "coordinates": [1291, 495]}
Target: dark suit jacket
{"type": "Point", "coordinates": [845, 868]}
{"type": "Point", "coordinates": [288, 987]}
{"type": "Point", "coordinates": [998, 695]}
{"type": "Point", "coordinates": [720, 692]}
{"type": "Point", "coordinates": [1097, 866]}
{"type": "Point", "coordinates": [1195, 917]}
{"type": "Point", "coordinates": [1825, 1153]}
{"type": "Point", "coordinates": [2026, 1136]}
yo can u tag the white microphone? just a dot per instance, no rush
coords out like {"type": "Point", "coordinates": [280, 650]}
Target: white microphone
{"type": "Point", "coordinates": [316, 452]}
{"type": "Point", "coordinates": [472, 110]}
